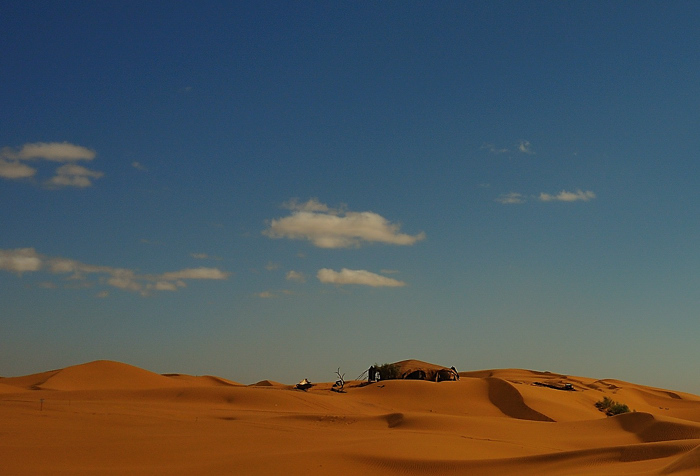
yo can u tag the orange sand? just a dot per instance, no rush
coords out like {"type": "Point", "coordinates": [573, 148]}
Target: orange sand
{"type": "Point", "coordinates": [111, 418]}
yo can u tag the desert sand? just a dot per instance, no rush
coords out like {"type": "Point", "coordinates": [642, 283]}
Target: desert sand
{"type": "Point", "coordinates": [107, 417]}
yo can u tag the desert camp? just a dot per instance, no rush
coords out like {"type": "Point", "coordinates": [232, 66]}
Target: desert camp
{"type": "Point", "coordinates": [412, 370]}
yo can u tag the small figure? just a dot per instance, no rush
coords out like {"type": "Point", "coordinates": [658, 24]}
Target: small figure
{"type": "Point", "coordinates": [372, 374]}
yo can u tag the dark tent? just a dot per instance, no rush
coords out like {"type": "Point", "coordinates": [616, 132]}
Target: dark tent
{"type": "Point", "coordinates": [419, 370]}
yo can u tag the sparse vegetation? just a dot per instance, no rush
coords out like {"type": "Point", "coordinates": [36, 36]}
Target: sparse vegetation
{"type": "Point", "coordinates": [611, 407]}
{"type": "Point", "coordinates": [387, 371]}
{"type": "Point", "coordinates": [339, 385]}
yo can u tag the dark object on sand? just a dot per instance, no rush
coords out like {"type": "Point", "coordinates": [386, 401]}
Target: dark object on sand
{"type": "Point", "coordinates": [304, 385]}
{"type": "Point", "coordinates": [419, 370]}
{"type": "Point", "coordinates": [372, 374]}
{"type": "Point", "coordinates": [556, 386]}
{"type": "Point", "coordinates": [339, 385]}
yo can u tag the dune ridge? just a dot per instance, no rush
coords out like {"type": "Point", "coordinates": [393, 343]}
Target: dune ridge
{"type": "Point", "coordinates": [114, 418]}
{"type": "Point", "coordinates": [507, 398]}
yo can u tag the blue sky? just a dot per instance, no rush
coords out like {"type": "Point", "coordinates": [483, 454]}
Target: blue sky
{"type": "Point", "coordinates": [275, 190]}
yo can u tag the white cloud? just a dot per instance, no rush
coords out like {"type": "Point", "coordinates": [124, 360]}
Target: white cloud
{"type": "Point", "coordinates": [28, 260]}
{"type": "Point", "coordinates": [167, 285]}
{"type": "Point", "coordinates": [356, 276]}
{"type": "Point", "coordinates": [327, 228]}
{"type": "Point", "coordinates": [295, 276]}
{"type": "Point", "coordinates": [67, 175]}
{"type": "Point", "coordinates": [195, 273]}
{"type": "Point", "coordinates": [125, 279]}
{"type": "Point", "coordinates": [511, 198]}
{"type": "Point", "coordinates": [79, 270]}
{"type": "Point", "coordinates": [71, 175]}
{"type": "Point", "coordinates": [12, 169]}
{"type": "Point", "coordinates": [565, 196]}
{"type": "Point", "coordinates": [265, 295]}
{"type": "Point", "coordinates": [20, 260]}
{"type": "Point", "coordinates": [139, 166]}
{"type": "Point", "coordinates": [53, 151]}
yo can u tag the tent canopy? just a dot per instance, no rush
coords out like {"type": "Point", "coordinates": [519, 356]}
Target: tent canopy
{"type": "Point", "coordinates": [419, 370]}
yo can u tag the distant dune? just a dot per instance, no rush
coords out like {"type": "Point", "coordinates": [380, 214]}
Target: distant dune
{"type": "Point", "coordinates": [112, 418]}
{"type": "Point", "coordinates": [268, 383]}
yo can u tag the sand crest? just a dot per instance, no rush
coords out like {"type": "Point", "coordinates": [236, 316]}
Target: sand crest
{"type": "Point", "coordinates": [111, 418]}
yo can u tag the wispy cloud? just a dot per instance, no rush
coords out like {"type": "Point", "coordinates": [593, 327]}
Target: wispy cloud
{"type": "Point", "coordinates": [329, 228]}
{"type": "Point", "coordinates": [13, 163]}
{"type": "Point", "coordinates": [139, 166]}
{"type": "Point", "coordinates": [565, 196]}
{"type": "Point", "coordinates": [311, 205]}
{"type": "Point", "coordinates": [71, 175]}
{"type": "Point", "coordinates": [525, 147]}
{"type": "Point", "coordinates": [495, 150]}
{"type": "Point", "coordinates": [295, 276]}
{"type": "Point", "coordinates": [194, 273]}
{"type": "Point", "coordinates": [273, 294]}
{"type": "Point", "coordinates": [24, 260]}
{"type": "Point", "coordinates": [272, 266]}
{"type": "Point", "coordinates": [511, 198]}
{"type": "Point", "coordinates": [356, 276]}
{"type": "Point", "coordinates": [205, 256]}
{"type": "Point", "coordinates": [54, 151]}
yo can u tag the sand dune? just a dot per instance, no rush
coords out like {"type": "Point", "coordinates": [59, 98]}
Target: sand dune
{"type": "Point", "coordinates": [29, 382]}
{"type": "Point", "coordinates": [8, 388]}
{"type": "Point", "coordinates": [111, 418]}
{"type": "Point", "coordinates": [268, 383]}
{"type": "Point", "coordinates": [203, 380]}
{"type": "Point", "coordinates": [98, 375]}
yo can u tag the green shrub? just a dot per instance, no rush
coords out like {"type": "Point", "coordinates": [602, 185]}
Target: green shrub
{"type": "Point", "coordinates": [611, 407]}
{"type": "Point", "coordinates": [604, 404]}
{"type": "Point", "coordinates": [618, 408]}
{"type": "Point", "coordinates": [387, 371]}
